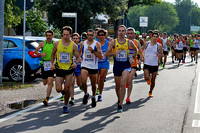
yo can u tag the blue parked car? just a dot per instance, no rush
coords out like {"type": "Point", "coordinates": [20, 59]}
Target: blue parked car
{"type": "Point", "coordinates": [13, 56]}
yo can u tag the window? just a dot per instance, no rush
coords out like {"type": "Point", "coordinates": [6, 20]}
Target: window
{"type": "Point", "coordinates": [5, 44]}
{"type": "Point", "coordinates": [11, 45]}
{"type": "Point", "coordinates": [31, 45]}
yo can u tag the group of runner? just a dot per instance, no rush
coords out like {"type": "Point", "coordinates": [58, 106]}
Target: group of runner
{"type": "Point", "coordinates": [71, 59]}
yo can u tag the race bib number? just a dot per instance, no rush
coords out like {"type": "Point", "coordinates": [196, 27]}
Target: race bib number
{"type": "Point", "coordinates": [47, 65]}
{"type": "Point", "coordinates": [88, 56]}
{"type": "Point", "coordinates": [104, 57]}
{"type": "Point", "coordinates": [64, 57]}
{"type": "Point", "coordinates": [130, 53]}
{"type": "Point", "coordinates": [122, 56]}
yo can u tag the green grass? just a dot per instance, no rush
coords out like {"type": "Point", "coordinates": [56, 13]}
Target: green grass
{"type": "Point", "coordinates": [14, 85]}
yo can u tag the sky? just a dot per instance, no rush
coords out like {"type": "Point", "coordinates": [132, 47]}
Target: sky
{"type": "Point", "coordinates": [195, 1]}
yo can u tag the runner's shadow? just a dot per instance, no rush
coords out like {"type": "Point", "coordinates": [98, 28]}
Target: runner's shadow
{"type": "Point", "coordinates": [136, 104]}
{"type": "Point", "coordinates": [106, 117]}
{"type": "Point", "coordinates": [44, 117]}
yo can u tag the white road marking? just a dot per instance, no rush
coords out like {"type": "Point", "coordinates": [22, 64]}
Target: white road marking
{"type": "Point", "coordinates": [37, 105]}
{"type": "Point", "coordinates": [197, 100]}
{"type": "Point", "coordinates": [196, 123]}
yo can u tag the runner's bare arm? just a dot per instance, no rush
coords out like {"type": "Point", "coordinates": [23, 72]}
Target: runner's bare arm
{"type": "Point", "coordinates": [53, 54]}
{"type": "Point", "coordinates": [76, 53]}
{"type": "Point", "coordinates": [109, 52]}
{"type": "Point", "coordinates": [135, 50]}
{"type": "Point", "coordinates": [41, 45]}
{"type": "Point", "coordinates": [97, 53]}
{"type": "Point", "coordinates": [81, 47]}
{"type": "Point", "coordinates": [140, 49]}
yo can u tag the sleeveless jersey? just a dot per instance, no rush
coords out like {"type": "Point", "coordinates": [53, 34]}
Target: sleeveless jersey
{"type": "Point", "coordinates": [150, 54]}
{"type": "Point", "coordinates": [89, 60]}
{"type": "Point", "coordinates": [64, 55]}
{"type": "Point", "coordinates": [104, 49]}
{"type": "Point", "coordinates": [122, 59]}
{"type": "Point", "coordinates": [131, 54]}
{"type": "Point", "coordinates": [165, 46]}
{"type": "Point", "coordinates": [179, 45]}
{"type": "Point", "coordinates": [192, 43]}
{"type": "Point", "coordinates": [197, 43]}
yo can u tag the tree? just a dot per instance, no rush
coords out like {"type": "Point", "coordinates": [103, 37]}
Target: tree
{"type": "Point", "coordinates": [13, 18]}
{"type": "Point", "coordinates": [12, 14]}
{"type": "Point", "coordinates": [183, 8]}
{"type": "Point", "coordinates": [162, 17]}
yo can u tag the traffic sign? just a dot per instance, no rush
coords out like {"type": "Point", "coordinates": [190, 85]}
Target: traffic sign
{"type": "Point", "coordinates": [143, 21]}
{"type": "Point", "coordinates": [29, 4]}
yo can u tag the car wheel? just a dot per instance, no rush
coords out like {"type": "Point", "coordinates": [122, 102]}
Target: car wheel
{"type": "Point", "coordinates": [15, 72]}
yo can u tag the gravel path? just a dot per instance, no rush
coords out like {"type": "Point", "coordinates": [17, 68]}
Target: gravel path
{"type": "Point", "coordinates": [32, 93]}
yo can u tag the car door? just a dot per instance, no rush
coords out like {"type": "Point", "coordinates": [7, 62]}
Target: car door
{"type": "Point", "coordinates": [8, 49]}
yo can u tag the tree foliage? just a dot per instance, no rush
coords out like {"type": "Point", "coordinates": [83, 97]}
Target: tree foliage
{"type": "Point", "coordinates": [12, 14]}
{"type": "Point", "coordinates": [161, 16]}
{"type": "Point", "coordinates": [188, 13]}
{"type": "Point", "coordinates": [13, 18]}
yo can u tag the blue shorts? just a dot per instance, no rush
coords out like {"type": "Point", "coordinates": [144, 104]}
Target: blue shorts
{"type": "Point", "coordinates": [119, 67]}
{"type": "Point", "coordinates": [102, 65]}
{"type": "Point", "coordinates": [78, 70]}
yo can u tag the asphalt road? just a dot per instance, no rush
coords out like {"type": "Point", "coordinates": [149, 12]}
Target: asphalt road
{"type": "Point", "coordinates": [173, 109]}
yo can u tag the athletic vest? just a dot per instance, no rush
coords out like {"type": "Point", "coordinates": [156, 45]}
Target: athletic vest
{"type": "Point", "coordinates": [150, 55]}
{"type": "Point", "coordinates": [179, 45]}
{"type": "Point", "coordinates": [89, 60]}
{"type": "Point", "coordinates": [104, 49]}
{"type": "Point", "coordinates": [64, 55]}
{"type": "Point", "coordinates": [48, 48]}
{"type": "Point", "coordinates": [131, 54]}
{"type": "Point", "coordinates": [197, 43]}
{"type": "Point", "coordinates": [191, 43]}
{"type": "Point", "coordinates": [122, 59]}
{"type": "Point", "coordinates": [165, 46]}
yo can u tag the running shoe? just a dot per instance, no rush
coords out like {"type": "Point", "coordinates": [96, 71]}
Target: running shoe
{"type": "Point", "coordinates": [135, 74]}
{"type": "Point", "coordinates": [97, 93]}
{"type": "Point", "coordinates": [99, 98]}
{"type": "Point", "coordinates": [183, 61]}
{"type": "Point", "coordinates": [71, 102]}
{"type": "Point", "coordinates": [85, 99]}
{"type": "Point", "coordinates": [172, 61]}
{"type": "Point", "coordinates": [93, 104]}
{"type": "Point", "coordinates": [119, 109]}
{"type": "Point", "coordinates": [150, 94]}
{"type": "Point", "coordinates": [192, 60]}
{"type": "Point", "coordinates": [62, 98]}
{"type": "Point", "coordinates": [163, 66]}
{"type": "Point", "coordinates": [126, 85]}
{"type": "Point", "coordinates": [65, 109]}
{"type": "Point", "coordinates": [45, 102]}
{"type": "Point", "coordinates": [128, 101]}
{"type": "Point", "coordinates": [81, 88]}
{"type": "Point", "coordinates": [149, 81]}
{"type": "Point", "coordinates": [196, 62]}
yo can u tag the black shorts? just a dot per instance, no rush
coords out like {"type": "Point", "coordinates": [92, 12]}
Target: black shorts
{"type": "Point", "coordinates": [90, 71]}
{"type": "Point", "coordinates": [62, 73]}
{"type": "Point", "coordinates": [192, 49]}
{"type": "Point", "coordinates": [196, 49]}
{"type": "Point", "coordinates": [46, 74]}
{"type": "Point", "coordinates": [172, 47]}
{"type": "Point", "coordinates": [150, 68]}
{"type": "Point", "coordinates": [165, 52]}
{"type": "Point", "coordinates": [179, 51]}
{"type": "Point", "coordinates": [185, 49]}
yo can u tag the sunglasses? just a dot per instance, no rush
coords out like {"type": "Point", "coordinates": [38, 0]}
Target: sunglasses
{"type": "Point", "coordinates": [48, 35]}
{"type": "Point", "coordinates": [90, 34]}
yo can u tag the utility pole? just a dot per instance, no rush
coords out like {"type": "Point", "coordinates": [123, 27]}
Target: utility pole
{"type": "Point", "coordinates": [1, 37]}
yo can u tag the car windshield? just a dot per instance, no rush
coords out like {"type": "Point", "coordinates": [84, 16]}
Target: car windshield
{"type": "Point", "coordinates": [31, 44]}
